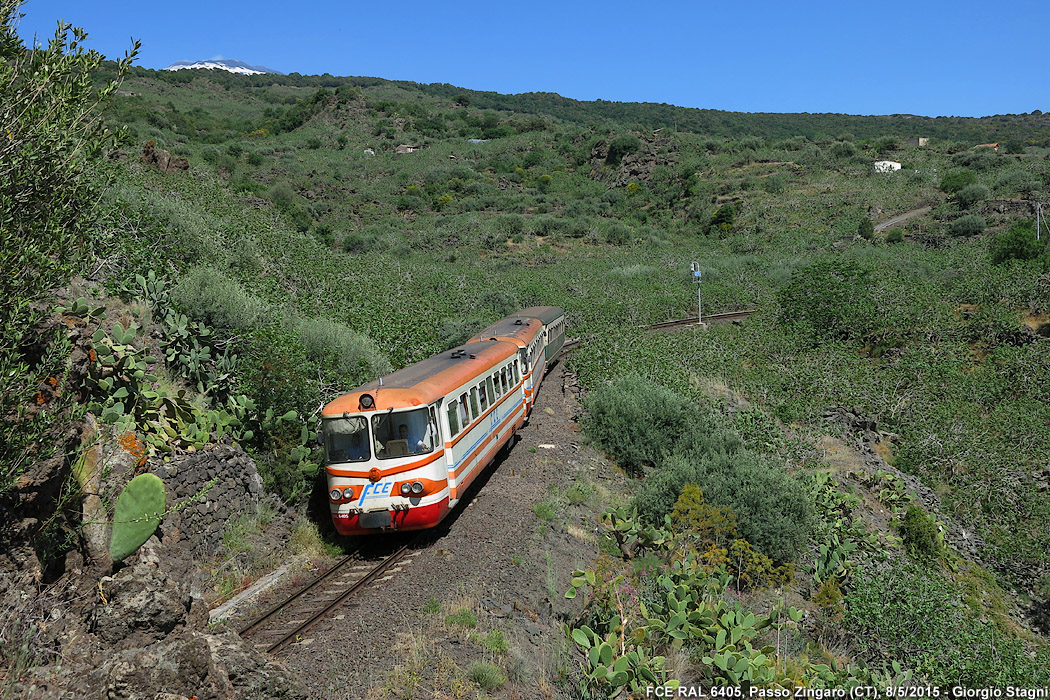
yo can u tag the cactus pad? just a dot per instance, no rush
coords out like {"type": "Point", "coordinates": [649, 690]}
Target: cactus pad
{"type": "Point", "coordinates": [138, 513]}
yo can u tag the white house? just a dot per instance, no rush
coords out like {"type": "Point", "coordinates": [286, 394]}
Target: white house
{"type": "Point", "coordinates": [886, 166]}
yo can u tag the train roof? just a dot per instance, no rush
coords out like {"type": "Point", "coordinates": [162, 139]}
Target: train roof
{"type": "Point", "coordinates": [517, 328]}
{"type": "Point", "coordinates": [547, 314]}
{"type": "Point", "coordinates": [428, 380]}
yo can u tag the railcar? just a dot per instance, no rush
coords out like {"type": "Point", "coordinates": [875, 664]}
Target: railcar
{"type": "Point", "coordinates": [401, 451]}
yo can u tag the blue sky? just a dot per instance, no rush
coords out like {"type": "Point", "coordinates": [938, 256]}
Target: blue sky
{"type": "Point", "coordinates": [934, 58]}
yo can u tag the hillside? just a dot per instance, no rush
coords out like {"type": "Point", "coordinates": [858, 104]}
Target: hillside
{"type": "Point", "coordinates": [310, 256]}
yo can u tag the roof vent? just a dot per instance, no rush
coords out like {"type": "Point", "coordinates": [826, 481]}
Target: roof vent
{"type": "Point", "coordinates": [456, 354]}
{"type": "Point", "coordinates": [473, 356]}
{"type": "Point", "coordinates": [517, 322]}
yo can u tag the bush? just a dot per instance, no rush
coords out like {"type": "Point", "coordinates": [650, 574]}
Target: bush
{"type": "Point", "coordinates": [981, 159]}
{"type": "Point", "coordinates": [955, 181]}
{"type": "Point", "coordinates": [898, 612]}
{"type": "Point", "coordinates": [1019, 243]}
{"type": "Point", "coordinates": [774, 511]}
{"type": "Point", "coordinates": [621, 146]}
{"type": "Point", "coordinates": [354, 357]}
{"type": "Point", "coordinates": [921, 537]}
{"type": "Point", "coordinates": [639, 423]}
{"type": "Point", "coordinates": [895, 235]}
{"type": "Point", "coordinates": [207, 295]}
{"type": "Point", "coordinates": [866, 229]}
{"type": "Point", "coordinates": [722, 220]}
{"type": "Point", "coordinates": [774, 184]}
{"type": "Point", "coordinates": [843, 150]}
{"type": "Point", "coordinates": [969, 225]}
{"type": "Point", "coordinates": [618, 233]}
{"type": "Point", "coordinates": [971, 194]}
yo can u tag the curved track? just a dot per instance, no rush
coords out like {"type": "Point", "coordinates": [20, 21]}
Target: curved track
{"type": "Point", "coordinates": [286, 622]}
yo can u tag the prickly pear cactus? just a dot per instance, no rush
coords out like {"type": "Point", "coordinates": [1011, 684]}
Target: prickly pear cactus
{"type": "Point", "coordinates": [139, 509]}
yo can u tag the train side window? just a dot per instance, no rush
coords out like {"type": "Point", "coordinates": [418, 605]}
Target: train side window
{"type": "Point", "coordinates": [453, 422]}
{"type": "Point", "coordinates": [493, 387]}
{"type": "Point", "coordinates": [474, 401]}
{"type": "Point", "coordinates": [503, 379]}
{"type": "Point", "coordinates": [464, 414]}
{"type": "Point", "coordinates": [517, 372]}
{"type": "Point", "coordinates": [484, 395]}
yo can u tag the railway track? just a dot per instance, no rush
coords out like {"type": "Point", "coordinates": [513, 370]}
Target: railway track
{"type": "Point", "coordinates": [288, 621]}
{"type": "Point", "coordinates": [728, 317]}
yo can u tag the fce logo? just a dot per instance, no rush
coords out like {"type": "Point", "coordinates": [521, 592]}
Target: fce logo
{"type": "Point", "coordinates": [372, 490]}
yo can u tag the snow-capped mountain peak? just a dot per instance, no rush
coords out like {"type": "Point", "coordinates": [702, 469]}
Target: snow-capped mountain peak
{"type": "Point", "coordinates": [227, 64]}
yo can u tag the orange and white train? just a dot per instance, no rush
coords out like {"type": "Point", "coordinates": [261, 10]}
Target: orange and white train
{"type": "Point", "coordinates": [401, 451]}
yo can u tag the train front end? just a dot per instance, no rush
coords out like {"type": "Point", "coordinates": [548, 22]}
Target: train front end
{"type": "Point", "coordinates": [385, 463]}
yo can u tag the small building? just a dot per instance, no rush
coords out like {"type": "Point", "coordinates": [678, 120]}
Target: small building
{"type": "Point", "coordinates": [993, 146]}
{"type": "Point", "coordinates": [918, 141]}
{"type": "Point", "coordinates": [404, 148]}
{"type": "Point", "coordinates": [886, 166]}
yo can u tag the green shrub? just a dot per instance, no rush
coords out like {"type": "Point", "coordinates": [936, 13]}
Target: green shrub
{"type": "Point", "coordinates": [722, 219]}
{"type": "Point", "coordinates": [282, 195]}
{"type": "Point", "coordinates": [895, 235]}
{"type": "Point", "coordinates": [618, 233]}
{"type": "Point", "coordinates": [1019, 243]}
{"type": "Point", "coordinates": [1018, 181]}
{"type": "Point", "coordinates": [921, 537]}
{"type": "Point", "coordinates": [971, 194]}
{"type": "Point", "coordinates": [621, 146]}
{"type": "Point", "coordinates": [843, 150]}
{"type": "Point", "coordinates": [981, 159]}
{"type": "Point", "coordinates": [463, 618]}
{"type": "Point", "coordinates": [774, 184]}
{"type": "Point", "coordinates": [898, 611]}
{"type": "Point", "coordinates": [354, 357]}
{"type": "Point", "coordinates": [494, 642]}
{"type": "Point", "coordinates": [866, 229]}
{"type": "Point", "coordinates": [774, 511]}
{"type": "Point", "coordinates": [969, 225]}
{"type": "Point", "coordinates": [639, 423]}
{"type": "Point", "coordinates": [955, 181]}
{"type": "Point", "coordinates": [204, 294]}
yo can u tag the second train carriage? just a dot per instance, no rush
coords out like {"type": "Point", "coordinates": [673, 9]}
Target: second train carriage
{"type": "Point", "coordinates": [400, 451]}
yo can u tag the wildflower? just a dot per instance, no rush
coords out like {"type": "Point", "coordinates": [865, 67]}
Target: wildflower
{"type": "Point", "coordinates": [92, 355]}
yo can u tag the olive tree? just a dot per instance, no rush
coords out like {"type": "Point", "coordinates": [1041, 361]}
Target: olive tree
{"type": "Point", "coordinates": [51, 131]}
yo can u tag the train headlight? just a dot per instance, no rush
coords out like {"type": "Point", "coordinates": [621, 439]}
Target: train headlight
{"type": "Point", "coordinates": [335, 494]}
{"type": "Point", "coordinates": [406, 488]}
{"type": "Point", "coordinates": [367, 401]}
{"type": "Point", "coordinates": [348, 493]}
{"type": "Point", "coordinates": [417, 487]}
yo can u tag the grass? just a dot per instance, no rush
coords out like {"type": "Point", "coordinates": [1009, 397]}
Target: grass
{"type": "Point", "coordinates": [486, 675]}
{"type": "Point", "coordinates": [545, 510]}
{"type": "Point", "coordinates": [493, 642]}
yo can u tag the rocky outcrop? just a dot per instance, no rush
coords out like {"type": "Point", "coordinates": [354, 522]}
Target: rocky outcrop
{"type": "Point", "coordinates": [163, 160]}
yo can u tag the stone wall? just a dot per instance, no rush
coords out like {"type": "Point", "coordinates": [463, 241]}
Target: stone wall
{"type": "Point", "coordinates": [231, 486]}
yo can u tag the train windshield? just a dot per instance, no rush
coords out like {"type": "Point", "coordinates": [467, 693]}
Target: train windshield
{"type": "Point", "coordinates": [406, 433]}
{"type": "Point", "coordinates": [346, 439]}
